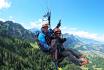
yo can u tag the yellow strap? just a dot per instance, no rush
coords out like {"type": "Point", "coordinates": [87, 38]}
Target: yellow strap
{"type": "Point", "coordinates": [59, 68]}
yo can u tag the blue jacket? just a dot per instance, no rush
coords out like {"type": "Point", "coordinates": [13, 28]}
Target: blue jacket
{"type": "Point", "coordinates": [42, 39]}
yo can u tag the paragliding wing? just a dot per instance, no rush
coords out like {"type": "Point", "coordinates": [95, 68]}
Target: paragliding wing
{"type": "Point", "coordinates": [49, 18]}
{"type": "Point", "coordinates": [48, 15]}
{"type": "Point", "coordinates": [59, 24]}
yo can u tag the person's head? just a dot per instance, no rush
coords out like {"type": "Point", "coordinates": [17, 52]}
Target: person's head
{"type": "Point", "coordinates": [45, 26]}
{"type": "Point", "coordinates": [57, 32]}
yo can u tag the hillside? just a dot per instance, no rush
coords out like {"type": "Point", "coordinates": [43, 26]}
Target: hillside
{"type": "Point", "coordinates": [17, 54]}
{"type": "Point", "coordinates": [15, 30]}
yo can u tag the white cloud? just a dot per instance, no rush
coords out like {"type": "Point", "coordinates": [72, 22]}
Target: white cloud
{"type": "Point", "coordinates": [12, 18]}
{"type": "Point", "coordinates": [4, 4]}
{"type": "Point", "coordinates": [83, 34]}
{"type": "Point", "coordinates": [1, 19]}
{"type": "Point", "coordinates": [32, 24]}
{"type": "Point", "coordinates": [36, 24]}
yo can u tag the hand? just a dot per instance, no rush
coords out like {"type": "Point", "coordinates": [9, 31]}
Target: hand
{"type": "Point", "coordinates": [62, 40]}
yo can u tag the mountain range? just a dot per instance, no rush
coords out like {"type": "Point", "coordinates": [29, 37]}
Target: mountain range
{"type": "Point", "coordinates": [84, 45]}
{"type": "Point", "coordinates": [15, 30]}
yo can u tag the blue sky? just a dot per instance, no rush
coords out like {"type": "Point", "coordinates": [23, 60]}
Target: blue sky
{"type": "Point", "coordinates": [84, 18]}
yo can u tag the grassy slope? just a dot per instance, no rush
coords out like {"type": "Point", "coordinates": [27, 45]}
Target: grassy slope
{"type": "Point", "coordinates": [16, 53]}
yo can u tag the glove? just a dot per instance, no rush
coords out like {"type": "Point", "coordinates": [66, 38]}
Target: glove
{"type": "Point", "coordinates": [62, 40]}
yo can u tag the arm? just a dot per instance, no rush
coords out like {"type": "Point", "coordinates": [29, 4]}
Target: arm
{"type": "Point", "coordinates": [42, 41]}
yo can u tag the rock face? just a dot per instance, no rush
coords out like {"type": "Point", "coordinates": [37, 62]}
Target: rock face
{"type": "Point", "coordinates": [15, 30]}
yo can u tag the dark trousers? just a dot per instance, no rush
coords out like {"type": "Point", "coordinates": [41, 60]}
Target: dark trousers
{"type": "Point", "coordinates": [73, 55]}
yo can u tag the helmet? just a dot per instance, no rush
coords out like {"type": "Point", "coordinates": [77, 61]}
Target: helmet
{"type": "Point", "coordinates": [57, 30]}
{"type": "Point", "coordinates": [45, 24]}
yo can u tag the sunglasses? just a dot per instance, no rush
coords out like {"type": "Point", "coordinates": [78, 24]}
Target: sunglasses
{"type": "Point", "coordinates": [58, 33]}
{"type": "Point", "coordinates": [45, 27]}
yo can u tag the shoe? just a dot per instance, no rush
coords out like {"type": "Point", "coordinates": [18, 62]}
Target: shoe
{"type": "Point", "coordinates": [84, 61]}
